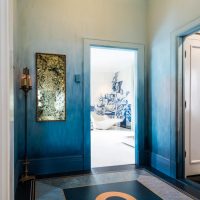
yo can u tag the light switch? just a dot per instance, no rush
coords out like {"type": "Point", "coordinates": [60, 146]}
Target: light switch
{"type": "Point", "coordinates": [77, 78]}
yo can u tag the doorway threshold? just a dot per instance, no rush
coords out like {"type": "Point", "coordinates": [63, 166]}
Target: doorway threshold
{"type": "Point", "coordinates": [194, 178]}
{"type": "Point", "coordinates": [117, 168]}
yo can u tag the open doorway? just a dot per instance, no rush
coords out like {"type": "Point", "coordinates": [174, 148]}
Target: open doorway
{"type": "Point", "coordinates": [139, 99]}
{"type": "Point", "coordinates": [191, 63]}
{"type": "Point", "coordinates": [112, 106]}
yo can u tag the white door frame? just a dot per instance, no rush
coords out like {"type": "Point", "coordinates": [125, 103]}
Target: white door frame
{"type": "Point", "coordinates": [6, 139]}
{"type": "Point", "coordinates": [140, 103]}
{"type": "Point", "coordinates": [178, 98]}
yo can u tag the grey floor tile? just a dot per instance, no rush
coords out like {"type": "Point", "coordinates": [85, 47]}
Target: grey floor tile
{"type": "Point", "coordinates": [52, 189]}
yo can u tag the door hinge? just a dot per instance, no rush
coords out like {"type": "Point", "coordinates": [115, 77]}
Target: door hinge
{"type": "Point", "coordinates": [185, 154]}
{"type": "Point", "coordinates": [185, 54]}
{"type": "Point", "coordinates": [185, 104]}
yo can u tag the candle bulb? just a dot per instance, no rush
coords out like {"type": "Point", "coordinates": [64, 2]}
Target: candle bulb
{"type": "Point", "coordinates": [26, 81]}
{"type": "Point", "coordinates": [23, 82]}
{"type": "Point", "coordinates": [29, 81]}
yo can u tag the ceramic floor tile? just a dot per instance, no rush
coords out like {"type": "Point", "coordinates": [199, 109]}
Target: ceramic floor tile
{"type": "Point", "coordinates": [161, 188]}
{"type": "Point", "coordinates": [79, 181]}
{"type": "Point", "coordinates": [52, 189]}
{"type": "Point", "coordinates": [48, 192]}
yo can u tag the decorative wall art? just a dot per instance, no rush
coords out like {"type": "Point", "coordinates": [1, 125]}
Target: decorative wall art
{"type": "Point", "coordinates": [51, 87]}
{"type": "Point", "coordinates": [115, 104]}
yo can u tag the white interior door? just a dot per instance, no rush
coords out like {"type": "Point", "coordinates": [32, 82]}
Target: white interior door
{"type": "Point", "coordinates": [192, 105]}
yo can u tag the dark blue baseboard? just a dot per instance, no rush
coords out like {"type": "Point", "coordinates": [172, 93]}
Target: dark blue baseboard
{"type": "Point", "coordinates": [55, 165]}
{"type": "Point", "coordinates": [87, 163]}
{"type": "Point", "coordinates": [141, 157]}
{"type": "Point", "coordinates": [160, 163]}
{"type": "Point", "coordinates": [16, 175]}
{"type": "Point", "coordinates": [173, 169]}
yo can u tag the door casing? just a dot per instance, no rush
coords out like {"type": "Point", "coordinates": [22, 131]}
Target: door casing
{"type": "Point", "coordinates": [178, 98]}
{"type": "Point", "coordinates": [139, 98]}
{"type": "Point", "coordinates": [6, 110]}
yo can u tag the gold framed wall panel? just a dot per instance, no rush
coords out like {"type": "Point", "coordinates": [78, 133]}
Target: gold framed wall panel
{"type": "Point", "coordinates": [50, 87]}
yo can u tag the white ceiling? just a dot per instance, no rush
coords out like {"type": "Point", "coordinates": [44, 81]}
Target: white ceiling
{"type": "Point", "coordinates": [104, 59]}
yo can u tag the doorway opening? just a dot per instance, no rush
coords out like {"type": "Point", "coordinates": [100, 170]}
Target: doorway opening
{"type": "Point", "coordinates": [191, 65]}
{"type": "Point", "coordinates": [112, 106]}
{"type": "Point", "coordinates": [138, 101]}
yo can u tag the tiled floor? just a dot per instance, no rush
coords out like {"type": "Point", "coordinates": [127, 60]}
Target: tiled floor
{"type": "Point", "coordinates": [52, 189]}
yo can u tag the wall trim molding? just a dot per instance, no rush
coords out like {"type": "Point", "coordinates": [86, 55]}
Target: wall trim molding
{"type": "Point", "coordinates": [139, 97]}
{"type": "Point", "coordinates": [6, 157]}
{"type": "Point", "coordinates": [160, 163]}
{"type": "Point", "coordinates": [53, 165]}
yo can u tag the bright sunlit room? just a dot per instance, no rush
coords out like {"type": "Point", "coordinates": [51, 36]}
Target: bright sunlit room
{"type": "Point", "coordinates": [112, 106]}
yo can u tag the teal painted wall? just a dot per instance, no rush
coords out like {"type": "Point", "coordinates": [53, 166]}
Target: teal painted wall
{"type": "Point", "coordinates": [164, 17]}
{"type": "Point", "coordinates": [59, 27]}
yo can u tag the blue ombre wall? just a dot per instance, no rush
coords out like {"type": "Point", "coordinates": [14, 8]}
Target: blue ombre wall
{"type": "Point", "coordinates": [164, 17]}
{"type": "Point", "coordinates": [59, 27]}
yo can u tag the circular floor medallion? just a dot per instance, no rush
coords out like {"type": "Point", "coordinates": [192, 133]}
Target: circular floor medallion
{"type": "Point", "coordinates": [106, 195]}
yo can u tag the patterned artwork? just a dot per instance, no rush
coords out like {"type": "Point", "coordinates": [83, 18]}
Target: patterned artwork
{"type": "Point", "coordinates": [117, 85]}
{"type": "Point", "coordinates": [115, 104]}
{"type": "Point", "coordinates": [51, 87]}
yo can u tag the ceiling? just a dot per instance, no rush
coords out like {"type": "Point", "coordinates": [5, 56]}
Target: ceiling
{"type": "Point", "coordinates": [104, 59]}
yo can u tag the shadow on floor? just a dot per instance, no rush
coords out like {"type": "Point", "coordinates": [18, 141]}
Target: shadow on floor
{"type": "Point", "coordinates": [194, 178]}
